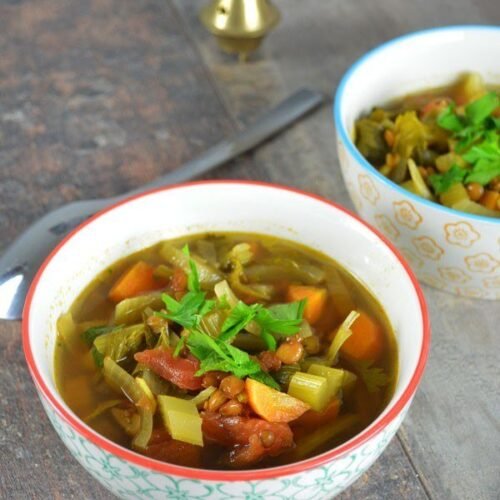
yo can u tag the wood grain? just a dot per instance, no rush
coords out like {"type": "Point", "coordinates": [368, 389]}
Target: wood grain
{"type": "Point", "coordinates": [98, 96]}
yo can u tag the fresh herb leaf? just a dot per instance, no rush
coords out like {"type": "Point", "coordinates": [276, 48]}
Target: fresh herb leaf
{"type": "Point", "coordinates": [91, 334]}
{"type": "Point", "coordinates": [186, 312]}
{"type": "Point", "coordinates": [98, 357]}
{"type": "Point", "coordinates": [193, 277]}
{"type": "Point", "coordinates": [284, 319]}
{"type": "Point", "coordinates": [239, 317]}
{"type": "Point", "coordinates": [215, 354]}
{"type": "Point", "coordinates": [484, 171]}
{"type": "Point", "coordinates": [442, 182]}
{"type": "Point", "coordinates": [373, 377]}
{"type": "Point", "coordinates": [488, 149]}
{"type": "Point", "coordinates": [180, 345]}
{"type": "Point", "coordinates": [269, 340]}
{"type": "Point", "coordinates": [481, 108]}
{"type": "Point", "coordinates": [449, 120]}
{"type": "Point", "coordinates": [265, 378]}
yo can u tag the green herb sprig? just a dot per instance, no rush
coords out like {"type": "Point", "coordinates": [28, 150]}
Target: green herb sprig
{"type": "Point", "coordinates": [477, 133]}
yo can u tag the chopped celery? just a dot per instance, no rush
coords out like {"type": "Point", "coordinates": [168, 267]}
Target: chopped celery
{"type": "Point", "coordinates": [313, 440]}
{"type": "Point", "coordinates": [181, 419]}
{"type": "Point", "coordinates": [222, 289]}
{"type": "Point", "coordinates": [119, 343]}
{"type": "Point", "coordinates": [102, 408]}
{"type": "Point", "coordinates": [410, 186]}
{"type": "Point", "coordinates": [348, 381]}
{"type": "Point", "coordinates": [241, 252]}
{"type": "Point", "coordinates": [208, 275]}
{"type": "Point", "coordinates": [341, 296]}
{"type": "Point", "coordinates": [285, 373]}
{"type": "Point", "coordinates": [121, 381]}
{"type": "Point", "coordinates": [141, 439]}
{"type": "Point", "coordinates": [472, 207]}
{"type": "Point", "coordinates": [128, 419]}
{"type": "Point", "coordinates": [207, 251]}
{"type": "Point", "coordinates": [305, 330]}
{"type": "Point", "coordinates": [259, 291]}
{"type": "Point", "coordinates": [202, 396]}
{"type": "Point", "coordinates": [147, 391]}
{"type": "Point", "coordinates": [157, 384]}
{"type": "Point", "coordinates": [420, 185]}
{"type": "Point", "coordinates": [69, 333]}
{"type": "Point", "coordinates": [163, 272]}
{"type": "Point", "coordinates": [212, 323]}
{"type": "Point", "coordinates": [343, 333]}
{"type": "Point", "coordinates": [334, 376]}
{"type": "Point", "coordinates": [129, 311]}
{"type": "Point", "coordinates": [455, 194]}
{"type": "Point", "coordinates": [312, 389]}
{"type": "Point", "coordinates": [285, 269]}
{"type": "Point", "coordinates": [311, 360]}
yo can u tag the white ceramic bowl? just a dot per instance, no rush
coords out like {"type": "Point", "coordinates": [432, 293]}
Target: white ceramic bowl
{"type": "Point", "coordinates": [451, 250]}
{"type": "Point", "coordinates": [224, 206]}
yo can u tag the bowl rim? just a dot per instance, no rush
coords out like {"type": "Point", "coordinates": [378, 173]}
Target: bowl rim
{"type": "Point", "coordinates": [346, 138]}
{"type": "Point", "coordinates": [223, 475]}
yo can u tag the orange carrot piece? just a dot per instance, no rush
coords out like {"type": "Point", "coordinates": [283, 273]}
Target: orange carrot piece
{"type": "Point", "coordinates": [313, 419]}
{"type": "Point", "coordinates": [137, 279]}
{"type": "Point", "coordinates": [367, 340]}
{"type": "Point", "coordinates": [315, 297]}
{"type": "Point", "coordinates": [273, 405]}
{"type": "Point", "coordinates": [490, 199]}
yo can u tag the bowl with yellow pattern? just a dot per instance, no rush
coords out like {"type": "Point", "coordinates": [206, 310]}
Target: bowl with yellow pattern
{"type": "Point", "coordinates": [448, 249]}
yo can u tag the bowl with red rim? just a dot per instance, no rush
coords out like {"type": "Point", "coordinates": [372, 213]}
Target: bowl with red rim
{"type": "Point", "coordinates": [225, 206]}
{"type": "Point", "coordinates": [448, 249]}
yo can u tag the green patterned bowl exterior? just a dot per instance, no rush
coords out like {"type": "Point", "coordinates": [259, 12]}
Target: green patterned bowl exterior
{"type": "Point", "coordinates": [130, 481]}
{"type": "Point", "coordinates": [203, 207]}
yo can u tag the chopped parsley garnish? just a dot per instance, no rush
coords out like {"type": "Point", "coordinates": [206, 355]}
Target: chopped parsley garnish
{"type": "Point", "coordinates": [478, 141]}
{"type": "Point", "coordinates": [218, 353]}
{"type": "Point", "coordinates": [91, 334]}
{"type": "Point", "coordinates": [373, 377]}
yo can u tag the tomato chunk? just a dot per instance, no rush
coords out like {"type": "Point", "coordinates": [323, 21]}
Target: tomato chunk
{"type": "Point", "coordinates": [251, 439]}
{"type": "Point", "coordinates": [163, 447]}
{"type": "Point", "coordinates": [179, 371]}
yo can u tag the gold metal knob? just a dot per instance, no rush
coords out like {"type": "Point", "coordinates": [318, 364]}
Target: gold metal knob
{"type": "Point", "coordinates": [239, 26]}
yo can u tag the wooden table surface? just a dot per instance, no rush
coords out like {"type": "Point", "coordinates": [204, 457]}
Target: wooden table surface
{"type": "Point", "coordinates": [100, 96]}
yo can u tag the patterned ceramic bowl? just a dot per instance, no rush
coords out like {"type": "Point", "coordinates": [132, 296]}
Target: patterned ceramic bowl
{"type": "Point", "coordinates": [224, 206]}
{"type": "Point", "coordinates": [447, 249]}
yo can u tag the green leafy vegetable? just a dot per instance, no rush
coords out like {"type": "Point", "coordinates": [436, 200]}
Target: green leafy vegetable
{"type": "Point", "coordinates": [373, 377]}
{"type": "Point", "coordinates": [237, 320]}
{"type": "Point", "coordinates": [193, 281]}
{"type": "Point", "coordinates": [91, 334]}
{"type": "Point", "coordinates": [215, 354]}
{"type": "Point", "coordinates": [442, 182]}
{"type": "Point", "coordinates": [449, 120]}
{"type": "Point", "coordinates": [481, 108]}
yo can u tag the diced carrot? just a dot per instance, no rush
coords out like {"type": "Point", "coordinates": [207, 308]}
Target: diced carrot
{"type": "Point", "coordinates": [490, 199]}
{"type": "Point", "coordinates": [315, 297]}
{"type": "Point", "coordinates": [367, 340]}
{"type": "Point", "coordinates": [434, 107]}
{"type": "Point", "coordinates": [273, 405]}
{"type": "Point", "coordinates": [313, 419]}
{"type": "Point", "coordinates": [137, 279]}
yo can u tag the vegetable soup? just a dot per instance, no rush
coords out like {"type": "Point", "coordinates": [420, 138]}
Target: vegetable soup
{"type": "Point", "coordinates": [442, 144]}
{"type": "Point", "coordinates": [226, 351]}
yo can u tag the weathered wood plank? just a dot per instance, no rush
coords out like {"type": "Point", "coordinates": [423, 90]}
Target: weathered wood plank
{"type": "Point", "coordinates": [452, 432]}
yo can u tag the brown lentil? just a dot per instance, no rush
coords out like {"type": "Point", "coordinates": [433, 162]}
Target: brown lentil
{"type": "Point", "coordinates": [231, 408]}
{"type": "Point", "coordinates": [475, 191]}
{"type": "Point", "coordinates": [231, 386]}
{"type": "Point", "coordinates": [290, 353]}
{"type": "Point", "coordinates": [269, 361]}
{"type": "Point", "coordinates": [216, 400]}
{"type": "Point", "coordinates": [267, 438]}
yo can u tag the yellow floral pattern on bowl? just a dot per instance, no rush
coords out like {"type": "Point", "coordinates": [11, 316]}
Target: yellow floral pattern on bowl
{"type": "Point", "coordinates": [461, 234]}
{"type": "Point", "coordinates": [447, 249]}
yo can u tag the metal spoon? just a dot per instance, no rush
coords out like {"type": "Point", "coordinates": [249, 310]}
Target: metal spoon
{"type": "Point", "coordinates": [24, 256]}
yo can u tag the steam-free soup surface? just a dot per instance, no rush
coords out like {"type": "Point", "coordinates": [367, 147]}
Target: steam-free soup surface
{"type": "Point", "coordinates": [226, 351]}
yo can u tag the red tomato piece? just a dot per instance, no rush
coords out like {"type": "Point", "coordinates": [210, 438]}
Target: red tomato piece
{"type": "Point", "coordinates": [179, 371]}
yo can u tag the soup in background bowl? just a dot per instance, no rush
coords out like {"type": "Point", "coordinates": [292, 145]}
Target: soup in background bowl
{"type": "Point", "coordinates": [340, 242]}
{"type": "Point", "coordinates": [448, 248]}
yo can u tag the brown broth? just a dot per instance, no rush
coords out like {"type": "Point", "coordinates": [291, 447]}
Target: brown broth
{"type": "Point", "coordinates": [83, 389]}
